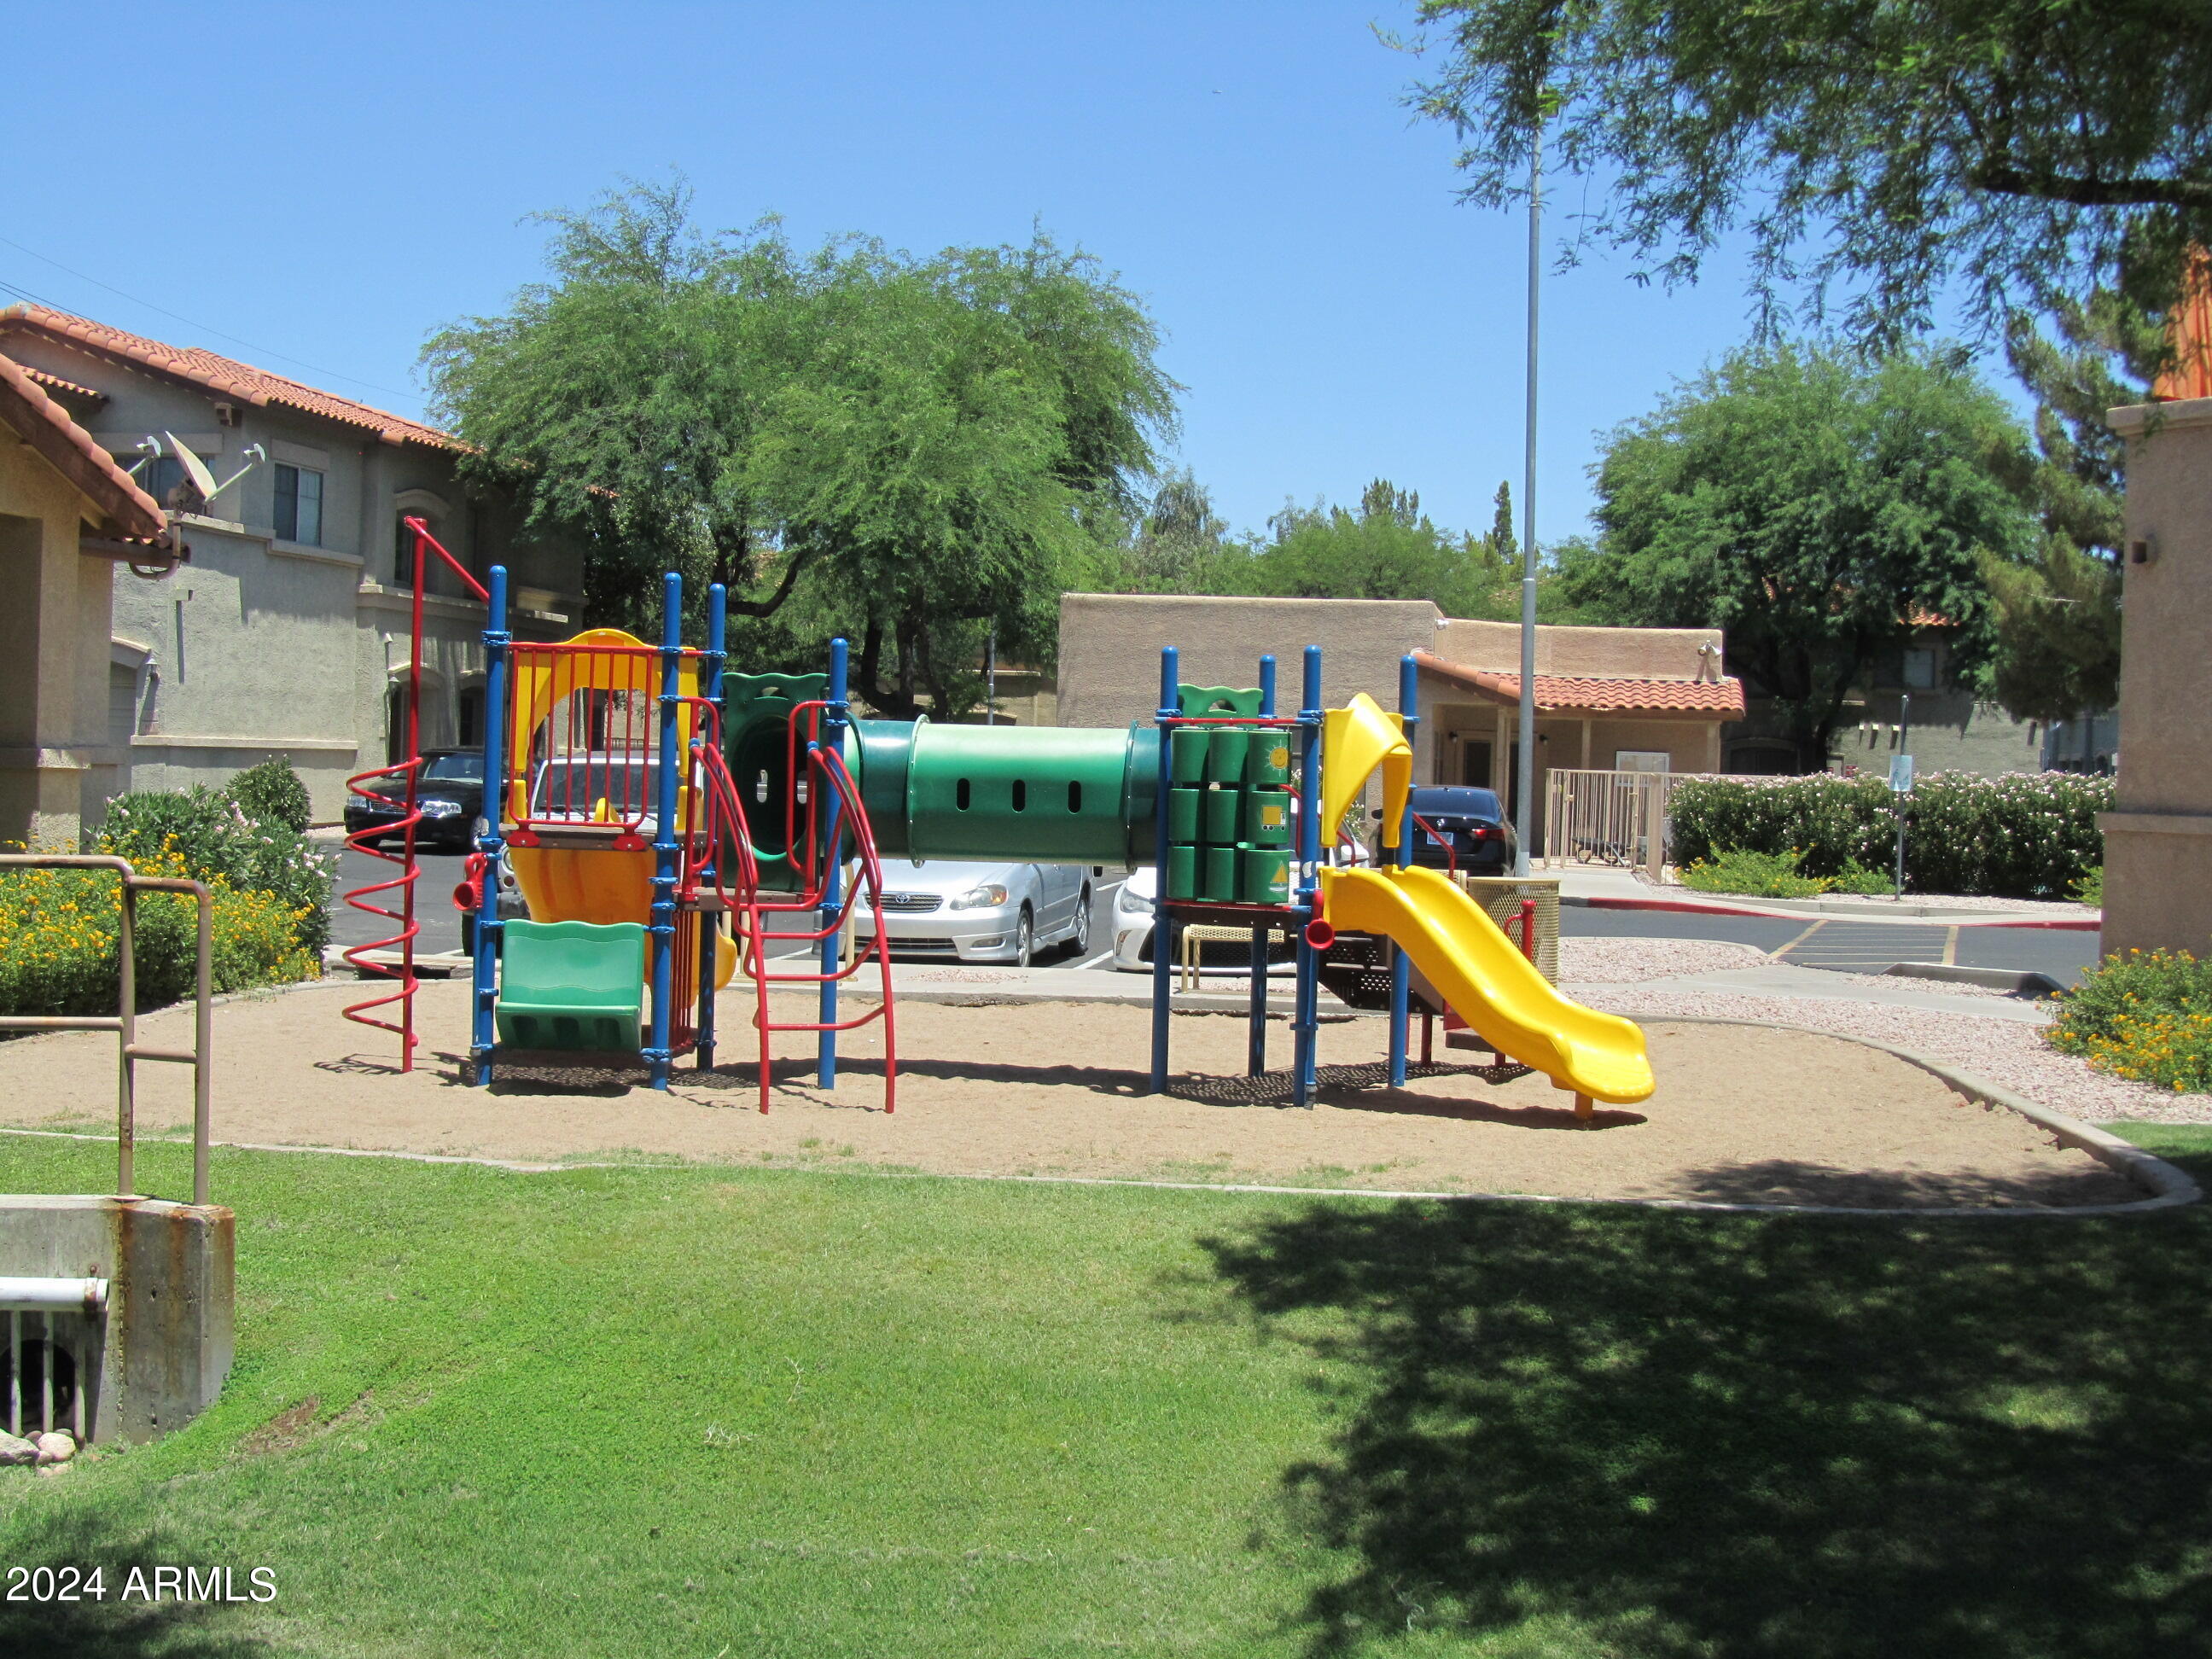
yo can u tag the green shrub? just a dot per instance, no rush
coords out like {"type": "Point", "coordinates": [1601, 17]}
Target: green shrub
{"type": "Point", "coordinates": [2090, 889]}
{"type": "Point", "coordinates": [1856, 878]}
{"type": "Point", "coordinates": [2145, 1018]}
{"type": "Point", "coordinates": [1769, 875]}
{"type": "Point", "coordinates": [272, 794]}
{"type": "Point", "coordinates": [214, 838]}
{"type": "Point", "coordinates": [2027, 834]}
{"type": "Point", "coordinates": [59, 940]}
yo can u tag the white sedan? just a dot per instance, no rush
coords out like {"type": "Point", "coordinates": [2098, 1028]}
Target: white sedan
{"type": "Point", "coordinates": [976, 912]}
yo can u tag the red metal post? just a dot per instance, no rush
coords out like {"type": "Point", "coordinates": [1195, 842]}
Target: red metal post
{"type": "Point", "coordinates": [410, 769]}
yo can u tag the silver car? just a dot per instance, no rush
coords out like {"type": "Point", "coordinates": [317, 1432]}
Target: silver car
{"type": "Point", "coordinates": [982, 912]}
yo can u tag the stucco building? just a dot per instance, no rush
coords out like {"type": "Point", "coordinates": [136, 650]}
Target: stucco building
{"type": "Point", "coordinates": [2158, 841]}
{"type": "Point", "coordinates": [283, 629]}
{"type": "Point", "coordinates": [1634, 699]}
{"type": "Point", "coordinates": [67, 513]}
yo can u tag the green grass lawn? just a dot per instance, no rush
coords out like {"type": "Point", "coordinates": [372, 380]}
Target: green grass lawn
{"type": "Point", "coordinates": [648, 1410]}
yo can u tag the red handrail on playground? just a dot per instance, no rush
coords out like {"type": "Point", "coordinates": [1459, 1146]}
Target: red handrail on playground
{"type": "Point", "coordinates": [409, 768]}
{"type": "Point", "coordinates": [1451, 854]}
{"type": "Point", "coordinates": [725, 819]}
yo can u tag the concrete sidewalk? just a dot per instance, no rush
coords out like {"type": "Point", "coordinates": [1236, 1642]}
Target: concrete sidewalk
{"type": "Point", "coordinates": [1608, 889]}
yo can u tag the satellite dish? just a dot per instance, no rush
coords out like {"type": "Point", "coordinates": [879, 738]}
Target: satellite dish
{"type": "Point", "coordinates": [195, 468]}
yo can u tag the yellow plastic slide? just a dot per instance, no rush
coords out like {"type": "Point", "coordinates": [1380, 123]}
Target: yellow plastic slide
{"type": "Point", "coordinates": [1486, 980]}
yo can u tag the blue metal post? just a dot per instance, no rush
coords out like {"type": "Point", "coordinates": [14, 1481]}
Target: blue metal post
{"type": "Point", "coordinates": [833, 830]}
{"type": "Point", "coordinates": [1409, 708]}
{"type": "Point", "coordinates": [483, 1030]}
{"type": "Point", "coordinates": [661, 929]}
{"type": "Point", "coordinates": [710, 925]}
{"type": "Point", "coordinates": [1305, 1023]}
{"type": "Point", "coordinates": [1162, 928]}
{"type": "Point", "coordinates": [1256, 1057]}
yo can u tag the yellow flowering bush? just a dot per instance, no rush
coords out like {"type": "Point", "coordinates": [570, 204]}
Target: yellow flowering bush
{"type": "Point", "coordinates": [58, 940]}
{"type": "Point", "coordinates": [2147, 1017]}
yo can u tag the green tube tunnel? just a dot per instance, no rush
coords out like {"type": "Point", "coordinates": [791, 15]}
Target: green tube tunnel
{"type": "Point", "coordinates": [1026, 794]}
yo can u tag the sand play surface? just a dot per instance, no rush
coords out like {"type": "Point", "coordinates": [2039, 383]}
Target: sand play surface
{"type": "Point", "coordinates": [1043, 1088]}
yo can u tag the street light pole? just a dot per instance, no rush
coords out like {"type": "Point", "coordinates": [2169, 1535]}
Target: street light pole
{"type": "Point", "coordinates": [1524, 781]}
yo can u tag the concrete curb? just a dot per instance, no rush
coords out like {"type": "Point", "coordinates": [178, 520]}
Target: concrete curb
{"type": "Point", "coordinates": [1953, 919]}
{"type": "Point", "coordinates": [2019, 980]}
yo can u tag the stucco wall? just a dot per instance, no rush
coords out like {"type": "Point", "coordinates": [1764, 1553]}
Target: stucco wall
{"type": "Point", "coordinates": [53, 681]}
{"type": "Point", "coordinates": [1657, 654]}
{"type": "Point", "coordinates": [2158, 844]}
{"type": "Point", "coordinates": [261, 646]}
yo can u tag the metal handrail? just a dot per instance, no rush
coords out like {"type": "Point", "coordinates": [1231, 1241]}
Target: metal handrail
{"type": "Point", "coordinates": [125, 1021]}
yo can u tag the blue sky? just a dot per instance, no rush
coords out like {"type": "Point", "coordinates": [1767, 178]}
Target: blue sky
{"type": "Point", "coordinates": [331, 184]}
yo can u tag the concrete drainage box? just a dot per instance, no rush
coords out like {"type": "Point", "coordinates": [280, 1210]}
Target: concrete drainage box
{"type": "Point", "coordinates": [157, 1355]}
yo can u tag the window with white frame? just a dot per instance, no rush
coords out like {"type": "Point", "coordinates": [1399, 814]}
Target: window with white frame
{"type": "Point", "coordinates": [1642, 760]}
{"type": "Point", "coordinates": [299, 505]}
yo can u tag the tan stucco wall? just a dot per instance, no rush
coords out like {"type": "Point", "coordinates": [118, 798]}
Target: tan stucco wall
{"type": "Point", "coordinates": [2158, 844]}
{"type": "Point", "coordinates": [1110, 644]}
{"type": "Point", "coordinates": [53, 751]}
{"type": "Point", "coordinates": [1657, 654]}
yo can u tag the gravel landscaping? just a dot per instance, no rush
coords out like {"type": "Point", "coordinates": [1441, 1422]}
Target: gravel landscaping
{"type": "Point", "coordinates": [1626, 960]}
{"type": "Point", "coordinates": [2010, 1054]}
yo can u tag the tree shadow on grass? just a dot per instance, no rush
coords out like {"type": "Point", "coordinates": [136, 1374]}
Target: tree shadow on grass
{"type": "Point", "coordinates": [113, 1628]}
{"type": "Point", "coordinates": [1678, 1434]}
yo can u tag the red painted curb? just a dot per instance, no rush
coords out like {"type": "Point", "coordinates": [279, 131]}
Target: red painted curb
{"type": "Point", "coordinates": [2063, 924]}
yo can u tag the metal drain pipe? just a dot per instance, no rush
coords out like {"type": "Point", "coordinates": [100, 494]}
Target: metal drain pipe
{"type": "Point", "coordinates": [88, 1296]}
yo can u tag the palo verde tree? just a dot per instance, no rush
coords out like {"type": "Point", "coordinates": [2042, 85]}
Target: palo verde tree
{"type": "Point", "coordinates": [912, 451]}
{"type": "Point", "coordinates": [1819, 508]}
{"type": "Point", "coordinates": [2027, 148]}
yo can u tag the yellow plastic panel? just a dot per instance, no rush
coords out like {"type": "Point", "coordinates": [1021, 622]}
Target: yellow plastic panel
{"type": "Point", "coordinates": [1354, 741]}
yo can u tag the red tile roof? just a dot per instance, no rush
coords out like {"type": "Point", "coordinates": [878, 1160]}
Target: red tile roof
{"type": "Point", "coordinates": [55, 383]}
{"type": "Point", "coordinates": [45, 426]}
{"type": "Point", "coordinates": [225, 375]}
{"type": "Point", "coordinates": [1559, 693]}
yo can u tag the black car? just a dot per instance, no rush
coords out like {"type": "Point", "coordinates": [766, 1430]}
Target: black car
{"type": "Point", "coordinates": [449, 796]}
{"type": "Point", "coordinates": [1461, 829]}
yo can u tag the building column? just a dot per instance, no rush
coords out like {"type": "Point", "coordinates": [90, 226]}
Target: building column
{"type": "Point", "coordinates": [2158, 841]}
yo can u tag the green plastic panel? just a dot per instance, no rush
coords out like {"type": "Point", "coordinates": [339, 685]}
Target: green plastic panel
{"type": "Point", "coordinates": [1187, 754]}
{"type": "Point", "coordinates": [755, 730]}
{"type": "Point", "coordinates": [1268, 818]}
{"type": "Point", "coordinates": [1183, 814]}
{"type": "Point", "coordinates": [572, 985]}
{"type": "Point", "coordinates": [1183, 873]}
{"type": "Point", "coordinates": [1225, 748]}
{"type": "Point", "coordinates": [1199, 699]}
{"type": "Point", "coordinates": [1224, 814]}
{"type": "Point", "coordinates": [1267, 762]}
{"type": "Point", "coordinates": [1217, 879]}
{"type": "Point", "coordinates": [1263, 875]}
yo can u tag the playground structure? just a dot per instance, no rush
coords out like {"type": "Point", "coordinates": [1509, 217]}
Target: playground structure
{"type": "Point", "coordinates": [670, 823]}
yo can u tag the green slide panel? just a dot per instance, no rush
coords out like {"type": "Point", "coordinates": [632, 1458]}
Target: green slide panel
{"type": "Point", "coordinates": [572, 985]}
{"type": "Point", "coordinates": [1029, 794]}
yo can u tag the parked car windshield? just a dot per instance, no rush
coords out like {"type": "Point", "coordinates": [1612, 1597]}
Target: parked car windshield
{"type": "Point", "coordinates": [455, 768]}
{"type": "Point", "coordinates": [578, 785]}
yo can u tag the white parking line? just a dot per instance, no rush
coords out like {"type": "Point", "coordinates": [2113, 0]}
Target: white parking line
{"type": "Point", "coordinates": [1103, 955]}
